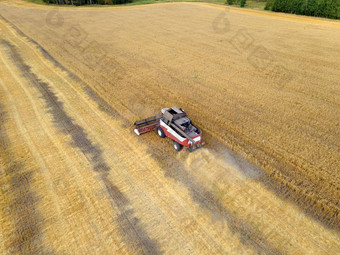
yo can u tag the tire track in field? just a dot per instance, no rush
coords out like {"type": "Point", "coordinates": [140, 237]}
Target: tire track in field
{"type": "Point", "coordinates": [56, 144]}
{"type": "Point", "coordinates": [249, 235]}
{"type": "Point", "coordinates": [22, 201]}
{"type": "Point", "coordinates": [19, 199]}
{"type": "Point", "coordinates": [103, 105]}
{"type": "Point", "coordinates": [133, 232]}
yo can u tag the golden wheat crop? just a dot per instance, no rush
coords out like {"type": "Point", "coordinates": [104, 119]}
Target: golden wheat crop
{"type": "Point", "coordinates": [75, 179]}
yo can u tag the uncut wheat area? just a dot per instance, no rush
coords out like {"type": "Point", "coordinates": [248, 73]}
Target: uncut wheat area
{"type": "Point", "coordinates": [75, 178]}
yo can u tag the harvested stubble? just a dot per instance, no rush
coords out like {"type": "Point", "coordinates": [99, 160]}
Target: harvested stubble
{"type": "Point", "coordinates": [165, 55]}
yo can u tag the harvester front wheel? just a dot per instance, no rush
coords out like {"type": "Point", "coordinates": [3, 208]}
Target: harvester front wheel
{"type": "Point", "coordinates": [160, 132]}
{"type": "Point", "coordinates": [177, 146]}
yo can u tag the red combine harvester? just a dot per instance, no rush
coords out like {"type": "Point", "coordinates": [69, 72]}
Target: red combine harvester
{"type": "Point", "coordinates": [174, 124]}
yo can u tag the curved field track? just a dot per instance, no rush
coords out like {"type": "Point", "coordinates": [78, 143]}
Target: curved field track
{"type": "Point", "coordinates": [75, 179]}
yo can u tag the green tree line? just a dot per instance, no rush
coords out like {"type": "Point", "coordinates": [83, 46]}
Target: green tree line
{"type": "Point", "coordinates": [242, 3]}
{"type": "Point", "coordinates": [87, 2]}
{"type": "Point", "coordinates": [318, 8]}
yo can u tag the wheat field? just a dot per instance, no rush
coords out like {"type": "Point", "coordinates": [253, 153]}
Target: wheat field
{"type": "Point", "coordinates": [75, 179]}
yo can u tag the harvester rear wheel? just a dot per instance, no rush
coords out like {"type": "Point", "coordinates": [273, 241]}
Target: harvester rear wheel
{"type": "Point", "coordinates": [177, 146]}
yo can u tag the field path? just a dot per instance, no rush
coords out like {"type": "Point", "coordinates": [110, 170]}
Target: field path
{"type": "Point", "coordinates": [75, 179]}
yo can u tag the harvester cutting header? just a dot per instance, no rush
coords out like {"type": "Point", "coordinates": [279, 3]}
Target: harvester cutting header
{"type": "Point", "coordinates": [173, 123]}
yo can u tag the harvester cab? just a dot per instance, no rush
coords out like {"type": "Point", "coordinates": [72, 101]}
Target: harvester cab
{"type": "Point", "coordinates": [175, 124]}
